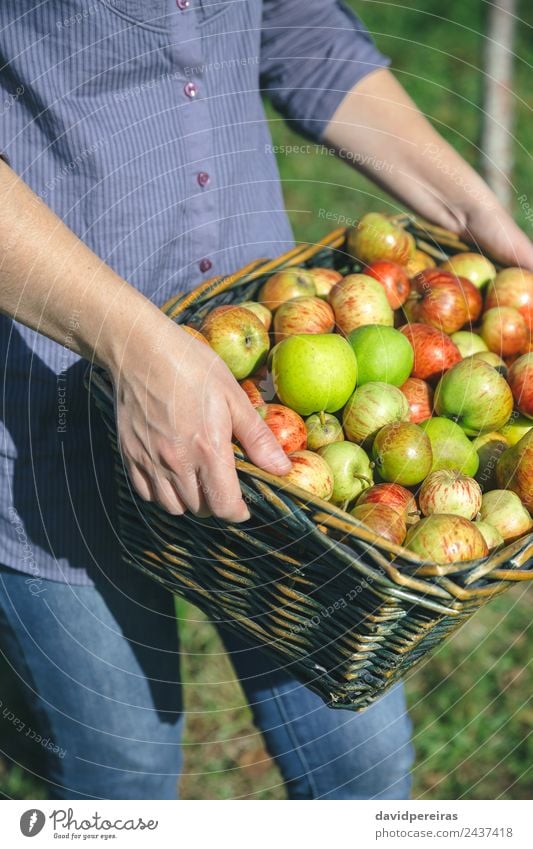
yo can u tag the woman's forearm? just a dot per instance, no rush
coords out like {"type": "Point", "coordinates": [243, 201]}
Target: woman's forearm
{"type": "Point", "coordinates": [380, 129]}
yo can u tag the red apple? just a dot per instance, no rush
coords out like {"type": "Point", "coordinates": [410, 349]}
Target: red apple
{"type": "Point", "coordinates": [395, 496]}
{"type": "Point", "coordinates": [285, 285]}
{"type": "Point", "coordinates": [475, 267]}
{"type": "Point", "coordinates": [286, 425]}
{"type": "Point", "coordinates": [445, 538]}
{"type": "Point", "coordinates": [504, 331]}
{"type": "Point", "coordinates": [376, 237]}
{"type": "Point", "coordinates": [434, 351]}
{"type": "Point", "coordinates": [310, 472]}
{"type": "Point", "coordinates": [513, 287]}
{"type": "Point", "coordinates": [194, 333]}
{"type": "Point", "coordinates": [393, 279]}
{"type": "Point", "coordinates": [324, 279]}
{"type": "Point", "coordinates": [358, 300]}
{"type": "Point", "coordinates": [402, 453]}
{"type": "Point", "coordinates": [520, 379]}
{"type": "Point", "coordinates": [303, 315]}
{"type": "Point", "coordinates": [438, 299]}
{"type": "Point", "coordinates": [504, 510]}
{"type": "Point", "coordinates": [385, 521]}
{"type": "Point", "coordinates": [251, 387]}
{"type": "Point", "coordinates": [471, 295]}
{"type": "Point", "coordinates": [449, 491]}
{"type": "Point", "coordinates": [238, 337]}
{"type": "Point", "coordinates": [419, 396]}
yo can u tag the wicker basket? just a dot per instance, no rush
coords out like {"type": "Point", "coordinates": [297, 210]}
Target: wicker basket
{"type": "Point", "coordinates": [345, 611]}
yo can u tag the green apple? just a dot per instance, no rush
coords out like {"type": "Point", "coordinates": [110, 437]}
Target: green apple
{"type": "Point", "coordinates": [383, 354]}
{"type": "Point", "coordinates": [370, 408]}
{"type": "Point", "coordinates": [402, 453]}
{"type": "Point", "coordinates": [314, 372]}
{"type": "Point", "coordinates": [322, 429]}
{"type": "Point", "coordinates": [239, 338]}
{"type": "Point", "coordinates": [468, 343]}
{"type": "Point", "coordinates": [451, 447]}
{"type": "Point", "coordinates": [489, 447]}
{"type": "Point", "coordinates": [516, 428]}
{"type": "Point", "coordinates": [475, 395]}
{"type": "Point", "coordinates": [351, 469]}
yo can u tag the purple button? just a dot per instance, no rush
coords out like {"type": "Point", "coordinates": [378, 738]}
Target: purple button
{"type": "Point", "coordinates": [203, 178]}
{"type": "Point", "coordinates": [204, 265]}
{"type": "Point", "coordinates": [190, 89]}
{"type": "Point", "coordinates": [183, 4]}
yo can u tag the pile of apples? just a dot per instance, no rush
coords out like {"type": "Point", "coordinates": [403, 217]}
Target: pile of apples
{"type": "Point", "coordinates": [402, 394]}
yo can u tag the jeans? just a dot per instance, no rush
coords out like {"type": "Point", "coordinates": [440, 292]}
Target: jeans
{"type": "Point", "coordinates": [99, 668]}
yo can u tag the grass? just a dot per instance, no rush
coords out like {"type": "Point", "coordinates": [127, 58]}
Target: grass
{"type": "Point", "coordinates": [471, 701]}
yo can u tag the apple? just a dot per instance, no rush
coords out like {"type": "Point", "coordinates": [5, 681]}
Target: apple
{"type": "Point", "coordinates": [395, 496]}
{"type": "Point", "coordinates": [351, 470]}
{"type": "Point", "coordinates": [252, 390]}
{"type": "Point", "coordinates": [303, 315]}
{"type": "Point", "coordinates": [450, 446]}
{"type": "Point", "coordinates": [286, 425]}
{"type": "Point", "coordinates": [324, 279]}
{"type": "Point", "coordinates": [382, 354]}
{"type": "Point", "coordinates": [323, 429]}
{"type": "Point", "coordinates": [314, 372]}
{"type": "Point", "coordinates": [449, 491]}
{"type": "Point", "coordinates": [382, 520]}
{"type": "Point", "coordinates": [512, 287]}
{"type": "Point", "coordinates": [492, 537]}
{"type": "Point", "coordinates": [475, 395]}
{"type": "Point", "coordinates": [393, 279]}
{"type": "Point", "coordinates": [310, 472]}
{"type": "Point", "coordinates": [475, 267]}
{"type": "Point", "coordinates": [263, 313]}
{"type": "Point", "coordinates": [516, 428]}
{"type": "Point", "coordinates": [470, 295]}
{"type": "Point", "coordinates": [489, 447]}
{"type": "Point", "coordinates": [376, 237]}
{"type": "Point", "coordinates": [504, 331]}
{"type": "Point", "coordinates": [419, 396]}
{"type": "Point", "coordinates": [285, 285]}
{"type": "Point", "coordinates": [468, 343]}
{"type": "Point", "coordinates": [434, 351]}
{"type": "Point", "coordinates": [504, 510]}
{"type": "Point", "coordinates": [358, 300]}
{"type": "Point", "coordinates": [445, 538]}
{"type": "Point", "coordinates": [194, 333]}
{"type": "Point", "coordinates": [402, 453]}
{"type": "Point", "coordinates": [493, 360]}
{"type": "Point", "coordinates": [520, 379]}
{"type": "Point", "coordinates": [515, 470]}
{"type": "Point", "coordinates": [239, 338]}
{"type": "Point", "coordinates": [437, 299]}
{"type": "Point", "coordinates": [419, 261]}
{"type": "Point", "coordinates": [370, 408]}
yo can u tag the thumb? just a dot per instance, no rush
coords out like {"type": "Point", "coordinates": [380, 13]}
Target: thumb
{"type": "Point", "coordinates": [256, 438]}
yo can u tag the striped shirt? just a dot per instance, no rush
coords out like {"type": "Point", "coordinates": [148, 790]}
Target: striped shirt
{"type": "Point", "coordinates": [141, 124]}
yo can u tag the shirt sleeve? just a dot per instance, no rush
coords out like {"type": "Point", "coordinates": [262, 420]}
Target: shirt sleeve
{"type": "Point", "coordinates": [312, 53]}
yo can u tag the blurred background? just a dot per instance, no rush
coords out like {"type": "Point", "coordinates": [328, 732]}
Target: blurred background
{"type": "Point", "coordinates": [471, 702]}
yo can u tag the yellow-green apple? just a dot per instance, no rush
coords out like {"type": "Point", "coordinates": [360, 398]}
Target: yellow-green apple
{"type": "Point", "coordinates": [324, 279]}
{"type": "Point", "coordinates": [468, 343]}
{"type": "Point", "coordinates": [358, 300]}
{"type": "Point", "coordinates": [475, 267]}
{"type": "Point", "coordinates": [370, 408]}
{"type": "Point", "coordinates": [475, 395]}
{"type": "Point", "coordinates": [490, 534]}
{"type": "Point", "coordinates": [285, 285]}
{"type": "Point", "coordinates": [311, 473]}
{"type": "Point", "coordinates": [239, 338]}
{"type": "Point", "coordinates": [303, 315]}
{"type": "Point", "coordinates": [504, 331]}
{"type": "Point", "coordinates": [515, 470]}
{"type": "Point", "coordinates": [323, 429]}
{"type": "Point", "coordinates": [489, 447]}
{"type": "Point", "coordinates": [434, 351]}
{"type": "Point", "coordinates": [286, 425]}
{"type": "Point", "coordinates": [445, 538]}
{"type": "Point", "coordinates": [513, 287]}
{"type": "Point", "coordinates": [438, 299]}
{"type": "Point", "coordinates": [520, 379]}
{"type": "Point", "coordinates": [376, 237]}
{"type": "Point", "coordinates": [450, 446]}
{"type": "Point", "coordinates": [402, 453]}
{"type": "Point", "coordinates": [393, 495]}
{"type": "Point", "coordinates": [504, 510]}
{"type": "Point", "coordinates": [493, 360]}
{"type": "Point", "coordinates": [351, 470]}
{"type": "Point", "coordinates": [259, 310]}
{"type": "Point", "coordinates": [314, 372]}
{"type": "Point", "coordinates": [382, 520]}
{"type": "Point", "coordinates": [382, 353]}
{"type": "Point", "coordinates": [419, 396]}
{"type": "Point", "coordinates": [516, 428]}
{"type": "Point", "coordinates": [449, 491]}
{"type": "Point", "coordinates": [393, 278]}
{"type": "Point", "coordinates": [418, 262]}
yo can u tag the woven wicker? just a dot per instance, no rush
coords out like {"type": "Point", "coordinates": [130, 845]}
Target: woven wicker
{"type": "Point", "coordinates": [345, 611]}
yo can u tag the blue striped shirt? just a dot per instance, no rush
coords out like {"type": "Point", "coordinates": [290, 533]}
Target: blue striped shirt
{"type": "Point", "coordinates": [141, 124]}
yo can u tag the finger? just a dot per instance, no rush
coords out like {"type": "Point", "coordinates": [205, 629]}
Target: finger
{"type": "Point", "coordinates": [199, 506]}
{"type": "Point", "coordinates": [220, 485]}
{"type": "Point", "coordinates": [257, 440]}
{"type": "Point", "coordinates": [167, 497]}
{"type": "Point", "coordinates": [141, 483]}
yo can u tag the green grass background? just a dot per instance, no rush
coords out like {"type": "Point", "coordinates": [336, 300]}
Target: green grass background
{"type": "Point", "coordinates": [471, 702]}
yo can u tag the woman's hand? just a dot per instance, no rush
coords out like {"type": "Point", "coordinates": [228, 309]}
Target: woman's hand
{"type": "Point", "coordinates": [177, 407]}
